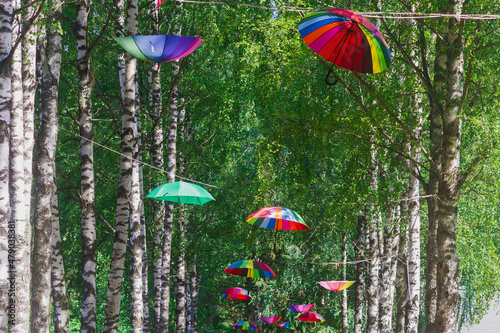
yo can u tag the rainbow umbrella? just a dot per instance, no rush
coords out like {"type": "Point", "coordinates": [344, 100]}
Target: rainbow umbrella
{"type": "Point", "coordinates": [270, 320]}
{"type": "Point", "coordinates": [246, 326]}
{"type": "Point", "coordinates": [286, 324]}
{"type": "Point", "coordinates": [301, 308]}
{"type": "Point", "coordinates": [310, 316]}
{"type": "Point", "coordinates": [235, 293]}
{"type": "Point", "coordinates": [251, 269]}
{"type": "Point", "coordinates": [159, 48]}
{"type": "Point", "coordinates": [336, 285]}
{"type": "Point", "coordinates": [278, 218]}
{"type": "Point", "coordinates": [181, 192]}
{"type": "Point", "coordinates": [345, 39]}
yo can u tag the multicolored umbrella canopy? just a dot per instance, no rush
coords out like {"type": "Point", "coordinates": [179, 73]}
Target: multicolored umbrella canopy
{"type": "Point", "coordinates": [159, 48]}
{"type": "Point", "coordinates": [270, 320]}
{"type": "Point", "coordinates": [301, 307]}
{"type": "Point", "coordinates": [278, 218]}
{"type": "Point", "coordinates": [336, 285]}
{"type": "Point", "coordinates": [246, 326]}
{"type": "Point", "coordinates": [251, 269]}
{"type": "Point", "coordinates": [346, 39]}
{"type": "Point", "coordinates": [181, 192]}
{"type": "Point", "coordinates": [287, 324]}
{"type": "Point", "coordinates": [236, 293]}
{"type": "Point", "coordinates": [310, 316]}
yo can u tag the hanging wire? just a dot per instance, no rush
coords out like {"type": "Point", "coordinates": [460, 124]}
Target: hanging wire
{"type": "Point", "coordinates": [380, 15]}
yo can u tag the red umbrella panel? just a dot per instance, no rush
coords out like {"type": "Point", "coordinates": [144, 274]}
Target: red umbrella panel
{"type": "Point", "coordinates": [310, 316]}
{"type": "Point", "coordinates": [301, 307]}
{"type": "Point", "coordinates": [235, 293]}
{"type": "Point", "coordinates": [278, 218]}
{"type": "Point", "coordinates": [346, 39]}
{"type": "Point", "coordinates": [335, 285]}
{"type": "Point", "coordinates": [270, 320]}
{"type": "Point", "coordinates": [251, 269]}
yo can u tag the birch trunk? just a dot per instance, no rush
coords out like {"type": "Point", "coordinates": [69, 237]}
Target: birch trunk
{"type": "Point", "coordinates": [373, 281]}
{"type": "Point", "coordinates": [127, 81]}
{"type": "Point", "coordinates": [22, 221]}
{"type": "Point", "coordinates": [169, 211]}
{"type": "Point", "coordinates": [158, 207]}
{"type": "Point", "coordinates": [345, 327]}
{"type": "Point", "coordinates": [189, 305]}
{"type": "Point", "coordinates": [413, 265]}
{"type": "Point", "coordinates": [6, 12]}
{"type": "Point", "coordinates": [44, 173]}
{"type": "Point", "coordinates": [401, 273]}
{"type": "Point", "coordinates": [89, 245]}
{"type": "Point", "coordinates": [145, 261]}
{"type": "Point", "coordinates": [448, 274]}
{"type": "Point", "coordinates": [391, 240]}
{"type": "Point", "coordinates": [360, 274]}
{"type": "Point", "coordinates": [195, 285]}
{"type": "Point", "coordinates": [59, 298]}
{"type": "Point", "coordinates": [19, 217]}
{"type": "Point", "coordinates": [180, 293]}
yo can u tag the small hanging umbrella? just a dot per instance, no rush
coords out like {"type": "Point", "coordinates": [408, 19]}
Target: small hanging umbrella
{"type": "Point", "coordinates": [246, 326]}
{"type": "Point", "coordinates": [235, 293]}
{"type": "Point", "coordinates": [345, 39]}
{"type": "Point", "coordinates": [159, 48]}
{"type": "Point", "coordinates": [310, 316]}
{"type": "Point", "coordinates": [270, 320]}
{"type": "Point", "coordinates": [251, 269]}
{"type": "Point", "coordinates": [336, 285]}
{"type": "Point", "coordinates": [181, 192]}
{"type": "Point", "coordinates": [278, 218]}
{"type": "Point", "coordinates": [287, 324]}
{"type": "Point", "coordinates": [301, 307]}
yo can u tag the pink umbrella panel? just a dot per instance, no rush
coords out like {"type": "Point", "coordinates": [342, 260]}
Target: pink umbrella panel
{"type": "Point", "coordinates": [301, 307]}
{"type": "Point", "coordinates": [270, 320]}
{"type": "Point", "coordinates": [335, 285]}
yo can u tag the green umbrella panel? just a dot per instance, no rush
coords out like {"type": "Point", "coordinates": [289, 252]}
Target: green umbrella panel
{"type": "Point", "coordinates": [181, 192]}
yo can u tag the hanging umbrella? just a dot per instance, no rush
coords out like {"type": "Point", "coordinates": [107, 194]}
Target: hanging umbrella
{"type": "Point", "coordinates": [181, 192]}
{"type": "Point", "coordinates": [335, 285]}
{"type": "Point", "coordinates": [235, 293]}
{"type": "Point", "coordinates": [345, 39]}
{"type": "Point", "coordinates": [310, 316]}
{"type": "Point", "coordinates": [251, 269]}
{"type": "Point", "coordinates": [286, 324]}
{"type": "Point", "coordinates": [301, 308]}
{"type": "Point", "coordinates": [279, 218]}
{"type": "Point", "coordinates": [270, 320]}
{"type": "Point", "coordinates": [159, 48]}
{"type": "Point", "coordinates": [246, 326]}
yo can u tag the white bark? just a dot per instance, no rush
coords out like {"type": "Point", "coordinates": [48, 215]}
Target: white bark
{"type": "Point", "coordinates": [373, 280]}
{"type": "Point", "coordinates": [6, 11]}
{"type": "Point", "coordinates": [359, 286]}
{"type": "Point", "coordinates": [59, 298]}
{"type": "Point", "coordinates": [44, 173]}
{"type": "Point", "coordinates": [124, 188]}
{"type": "Point", "coordinates": [89, 244]}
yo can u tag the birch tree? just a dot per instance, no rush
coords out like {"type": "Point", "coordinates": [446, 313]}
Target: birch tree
{"type": "Point", "coordinates": [124, 188]}
{"type": "Point", "coordinates": [89, 245]}
{"type": "Point", "coordinates": [360, 273]}
{"type": "Point", "coordinates": [44, 172]}
{"type": "Point", "coordinates": [6, 11]}
{"type": "Point", "coordinates": [59, 298]}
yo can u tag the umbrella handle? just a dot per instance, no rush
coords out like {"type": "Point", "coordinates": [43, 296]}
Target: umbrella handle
{"type": "Point", "coordinates": [328, 75]}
